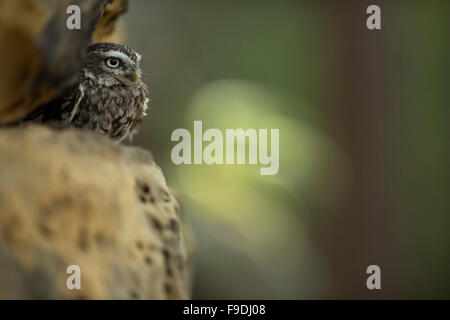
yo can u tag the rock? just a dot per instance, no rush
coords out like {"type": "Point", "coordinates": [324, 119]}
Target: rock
{"type": "Point", "coordinates": [70, 197]}
{"type": "Point", "coordinates": [44, 57]}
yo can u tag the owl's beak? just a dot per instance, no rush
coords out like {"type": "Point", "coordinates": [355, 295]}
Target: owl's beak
{"type": "Point", "coordinates": [134, 76]}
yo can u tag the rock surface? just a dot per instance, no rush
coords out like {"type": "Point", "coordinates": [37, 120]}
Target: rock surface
{"type": "Point", "coordinates": [44, 57]}
{"type": "Point", "coordinates": [70, 197]}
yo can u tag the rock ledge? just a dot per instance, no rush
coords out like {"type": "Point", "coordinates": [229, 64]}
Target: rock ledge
{"type": "Point", "coordinates": [74, 198]}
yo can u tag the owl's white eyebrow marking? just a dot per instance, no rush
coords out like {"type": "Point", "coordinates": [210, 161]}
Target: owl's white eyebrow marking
{"type": "Point", "coordinates": [118, 54]}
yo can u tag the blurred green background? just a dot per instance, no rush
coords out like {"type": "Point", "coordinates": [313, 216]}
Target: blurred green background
{"type": "Point", "coordinates": [363, 118]}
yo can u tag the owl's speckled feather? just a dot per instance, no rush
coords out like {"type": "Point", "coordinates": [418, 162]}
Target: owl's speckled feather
{"type": "Point", "coordinates": [108, 100]}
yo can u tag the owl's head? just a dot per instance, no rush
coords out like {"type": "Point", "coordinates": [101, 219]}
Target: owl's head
{"type": "Point", "coordinates": [112, 63]}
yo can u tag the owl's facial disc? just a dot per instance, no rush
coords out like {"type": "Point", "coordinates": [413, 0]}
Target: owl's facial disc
{"type": "Point", "coordinates": [121, 67]}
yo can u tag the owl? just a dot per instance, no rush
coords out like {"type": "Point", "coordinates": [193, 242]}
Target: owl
{"type": "Point", "coordinates": [109, 97]}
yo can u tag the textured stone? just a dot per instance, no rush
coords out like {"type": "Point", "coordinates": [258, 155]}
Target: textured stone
{"type": "Point", "coordinates": [70, 197]}
{"type": "Point", "coordinates": [44, 57]}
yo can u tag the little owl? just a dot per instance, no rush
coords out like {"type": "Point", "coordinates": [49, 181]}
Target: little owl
{"type": "Point", "coordinates": [109, 97]}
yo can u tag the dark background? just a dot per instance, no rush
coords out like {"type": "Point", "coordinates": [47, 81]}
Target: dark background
{"type": "Point", "coordinates": [363, 118]}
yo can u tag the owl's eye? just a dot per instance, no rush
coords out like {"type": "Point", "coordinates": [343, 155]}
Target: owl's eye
{"type": "Point", "coordinates": [113, 62]}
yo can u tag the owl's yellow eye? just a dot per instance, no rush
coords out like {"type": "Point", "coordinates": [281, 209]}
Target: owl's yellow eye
{"type": "Point", "coordinates": [112, 62]}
